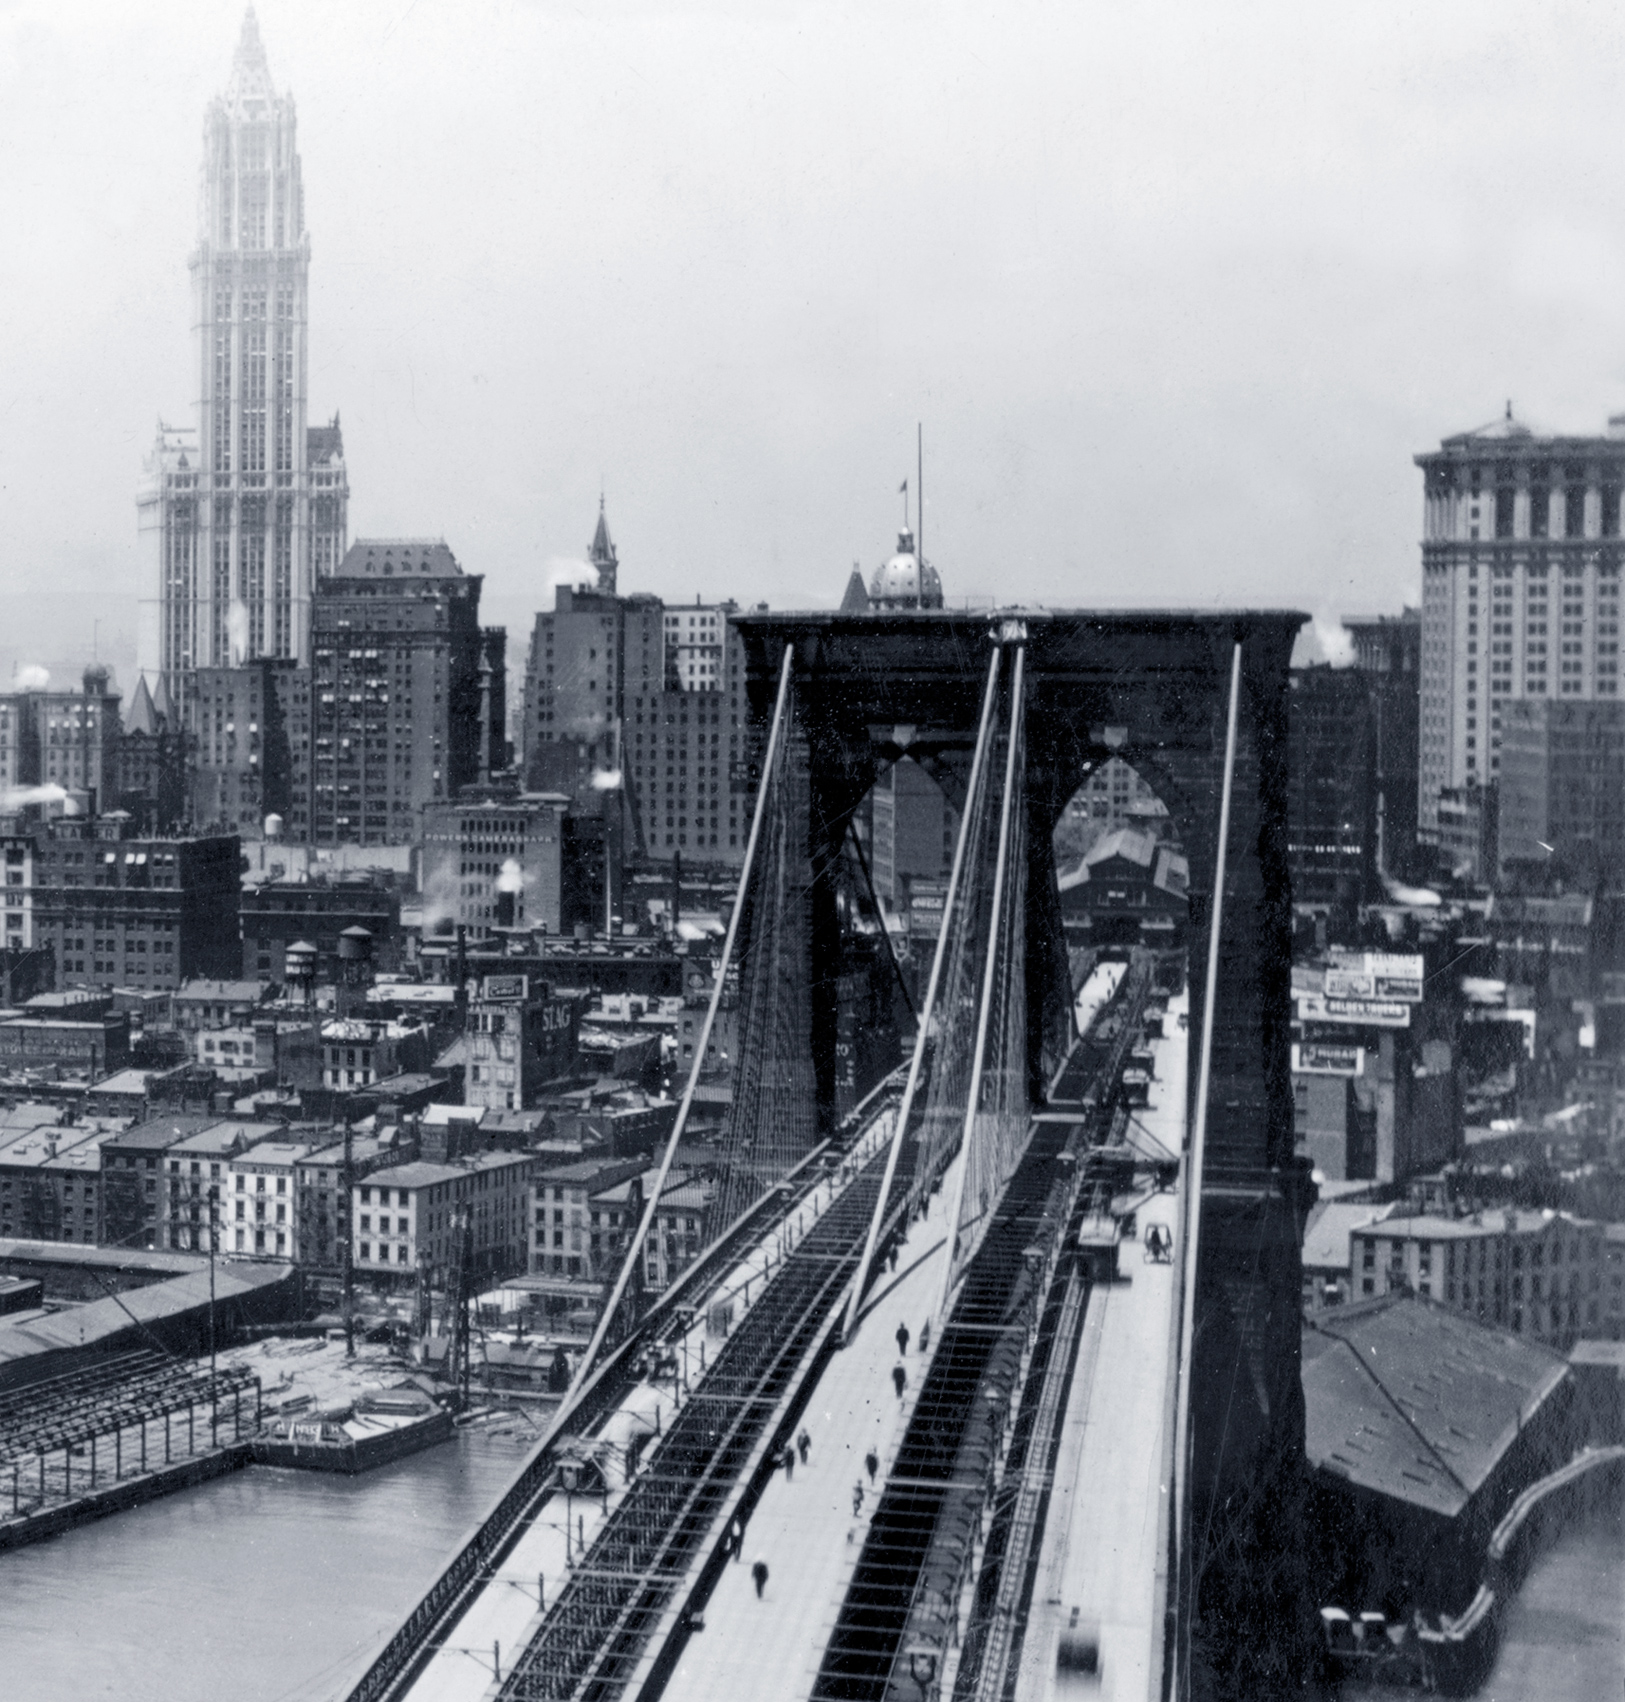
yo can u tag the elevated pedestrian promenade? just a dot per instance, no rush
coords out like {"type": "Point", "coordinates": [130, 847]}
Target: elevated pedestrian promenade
{"type": "Point", "coordinates": [558, 1547]}
{"type": "Point", "coordinates": [804, 1526]}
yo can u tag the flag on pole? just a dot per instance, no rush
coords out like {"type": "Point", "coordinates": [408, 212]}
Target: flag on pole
{"type": "Point", "coordinates": [902, 489]}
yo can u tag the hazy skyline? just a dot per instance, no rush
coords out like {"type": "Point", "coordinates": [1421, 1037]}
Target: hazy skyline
{"type": "Point", "coordinates": [1177, 293]}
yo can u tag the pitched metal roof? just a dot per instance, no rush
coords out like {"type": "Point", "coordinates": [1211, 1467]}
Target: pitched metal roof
{"type": "Point", "coordinates": [1416, 1400]}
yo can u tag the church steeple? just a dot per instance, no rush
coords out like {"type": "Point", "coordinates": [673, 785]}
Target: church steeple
{"type": "Point", "coordinates": [601, 553]}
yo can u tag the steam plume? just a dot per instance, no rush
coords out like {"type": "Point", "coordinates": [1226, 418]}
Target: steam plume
{"type": "Point", "coordinates": [20, 796]}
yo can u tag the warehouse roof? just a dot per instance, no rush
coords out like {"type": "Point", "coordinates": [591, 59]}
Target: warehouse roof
{"type": "Point", "coordinates": [83, 1326]}
{"type": "Point", "coordinates": [1417, 1400]}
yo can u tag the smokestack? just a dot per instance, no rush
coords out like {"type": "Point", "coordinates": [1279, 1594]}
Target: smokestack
{"type": "Point", "coordinates": [676, 889]}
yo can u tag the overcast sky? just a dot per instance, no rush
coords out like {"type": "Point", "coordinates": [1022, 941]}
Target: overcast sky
{"type": "Point", "coordinates": [1178, 290]}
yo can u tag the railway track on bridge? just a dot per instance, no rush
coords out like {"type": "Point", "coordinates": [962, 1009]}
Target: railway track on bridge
{"type": "Point", "coordinates": [401, 1661]}
{"type": "Point", "coordinates": [922, 1546]}
{"type": "Point", "coordinates": [596, 1634]}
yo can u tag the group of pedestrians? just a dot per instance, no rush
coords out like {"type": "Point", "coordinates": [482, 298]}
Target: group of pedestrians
{"type": "Point", "coordinates": [801, 1449]}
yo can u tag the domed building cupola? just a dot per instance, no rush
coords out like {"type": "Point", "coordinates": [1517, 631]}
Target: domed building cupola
{"type": "Point", "coordinates": [906, 582]}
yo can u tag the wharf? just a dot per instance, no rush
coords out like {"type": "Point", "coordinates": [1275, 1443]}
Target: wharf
{"type": "Point", "coordinates": [125, 1493]}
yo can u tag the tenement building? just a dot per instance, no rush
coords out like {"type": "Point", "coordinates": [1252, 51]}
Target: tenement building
{"type": "Point", "coordinates": [242, 512]}
{"type": "Point", "coordinates": [1521, 555]}
{"type": "Point", "coordinates": [406, 689]}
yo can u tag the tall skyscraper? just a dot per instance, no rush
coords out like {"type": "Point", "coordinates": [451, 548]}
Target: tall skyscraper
{"type": "Point", "coordinates": [1521, 554]}
{"type": "Point", "coordinates": [243, 511]}
{"type": "Point", "coordinates": [407, 693]}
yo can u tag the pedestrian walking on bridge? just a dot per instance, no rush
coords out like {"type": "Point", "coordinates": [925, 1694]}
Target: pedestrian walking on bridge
{"type": "Point", "coordinates": [902, 1339]}
{"type": "Point", "coordinates": [789, 1462]}
{"type": "Point", "coordinates": [857, 1498]}
{"type": "Point", "coordinates": [871, 1462]}
{"type": "Point", "coordinates": [804, 1445]}
{"type": "Point", "coordinates": [899, 1378]}
{"type": "Point", "coordinates": [736, 1538]}
{"type": "Point", "coordinates": [758, 1574]}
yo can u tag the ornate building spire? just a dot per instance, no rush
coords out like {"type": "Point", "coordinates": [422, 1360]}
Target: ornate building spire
{"type": "Point", "coordinates": [602, 553]}
{"type": "Point", "coordinates": [250, 73]}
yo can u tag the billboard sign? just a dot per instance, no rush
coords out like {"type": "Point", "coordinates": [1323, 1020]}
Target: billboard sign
{"type": "Point", "coordinates": [1325, 1058]}
{"type": "Point", "coordinates": [1364, 1013]}
{"type": "Point", "coordinates": [1380, 975]}
{"type": "Point", "coordinates": [506, 987]}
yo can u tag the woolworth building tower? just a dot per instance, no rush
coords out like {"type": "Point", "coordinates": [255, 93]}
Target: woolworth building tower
{"type": "Point", "coordinates": [243, 511]}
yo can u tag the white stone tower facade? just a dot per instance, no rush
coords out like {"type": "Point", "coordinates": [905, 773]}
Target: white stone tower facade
{"type": "Point", "coordinates": [242, 512]}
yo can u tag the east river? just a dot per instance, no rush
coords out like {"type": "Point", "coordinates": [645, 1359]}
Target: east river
{"type": "Point", "coordinates": [1564, 1636]}
{"type": "Point", "coordinates": [279, 1586]}
{"type": "Point", "coordinates": [265, 1586]}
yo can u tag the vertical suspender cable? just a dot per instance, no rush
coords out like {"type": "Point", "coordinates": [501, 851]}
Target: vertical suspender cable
{"type": "Point", "coordinates": [1193, 1208]}
{"type": "Point", "coordinates": [989, 971]}
{"type": "Point", "coordinates": [906, 1106]}
{"type": "Point", "coordinates": [634, 1253]}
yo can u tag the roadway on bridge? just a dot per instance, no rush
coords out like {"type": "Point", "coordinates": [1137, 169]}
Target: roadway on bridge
{"type": "Point", "coordinates": [504, 1616]}
{"type": "Point", "coordinates": [1105, 1536]}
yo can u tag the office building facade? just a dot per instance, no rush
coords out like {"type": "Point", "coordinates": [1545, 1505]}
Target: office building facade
{"type": "Point", "coordinates": [1562, 800]}
{"type": "Point", "coordinates": [1521, 556]}
{"type": "Point", "coordinates": [406, 691]}
{"type": "Point", "coordinates": [119, 910]}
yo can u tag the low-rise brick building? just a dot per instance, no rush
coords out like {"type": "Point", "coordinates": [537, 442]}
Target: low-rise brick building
{"type": "Point", "coordinates": [406, 1216]}
{"type": "Point", "coordinates": [133, 1205]}
{"type": "Point", "coordinates": [1538, 1274]}
{"type": "Point", "coordinates": [565, 1231]}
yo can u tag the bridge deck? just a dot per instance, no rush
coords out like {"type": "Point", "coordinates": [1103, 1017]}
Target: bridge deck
{"type": "Point", "coordinates": [1105, 1537]}
{"type": "Point", "coordinates": [504, 1616]}
{"type": "Point", "coordinates": [803, 1527]}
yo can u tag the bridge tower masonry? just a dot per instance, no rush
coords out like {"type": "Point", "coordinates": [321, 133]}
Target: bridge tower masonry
{"type": "Point", "coordinates": [1152, 689]}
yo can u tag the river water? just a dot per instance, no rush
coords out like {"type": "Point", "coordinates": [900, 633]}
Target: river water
{"type": "Point", "coordinates": [279, 1586]}
{"type": "Point", "coordinates": [265, 1586]}
{"type": "Point", "coordinates": [1563, 1639]}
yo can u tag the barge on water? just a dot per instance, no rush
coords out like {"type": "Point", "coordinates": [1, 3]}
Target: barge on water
{"type": "Point", "coordinates": [380, 1427]}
